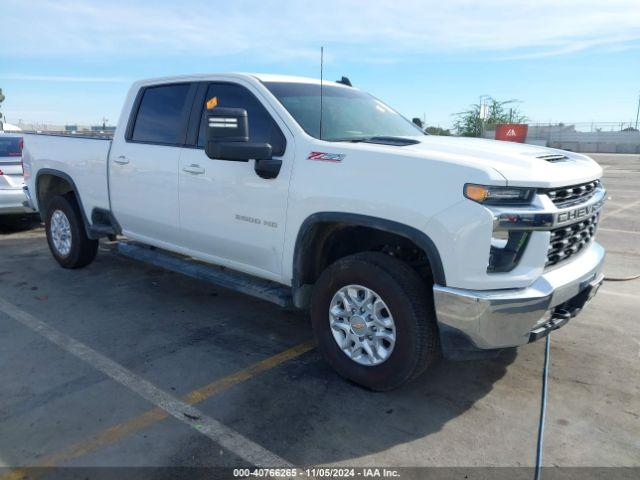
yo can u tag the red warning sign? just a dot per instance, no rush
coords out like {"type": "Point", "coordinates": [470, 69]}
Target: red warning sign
{"type": "Point", "coordinates": [512, 132]}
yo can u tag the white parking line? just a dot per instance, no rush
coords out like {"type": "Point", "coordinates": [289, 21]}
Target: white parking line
{"type": "Point", "coordinates": [619, 294]}
{"type": "Point", "coordinates": [224, 436]}
{"type": "Point", "coordinates": [615, 230]}
{"type": "Point", "coordinates": [621, 209]}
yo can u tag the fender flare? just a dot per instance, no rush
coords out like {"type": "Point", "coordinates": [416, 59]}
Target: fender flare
{"type": "Point", "coordinates": [416, 236]}
{"type": "Point", "coordinates": [64, 176]}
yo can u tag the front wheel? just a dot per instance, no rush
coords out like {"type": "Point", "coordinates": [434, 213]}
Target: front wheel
{"type": "Point", "coordinates": [66, 236]}
{"type": "Point", "coordinates": [374, 320]}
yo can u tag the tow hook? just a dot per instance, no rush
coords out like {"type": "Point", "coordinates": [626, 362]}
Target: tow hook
{"type": "Point", "coordinates": [559, 318]}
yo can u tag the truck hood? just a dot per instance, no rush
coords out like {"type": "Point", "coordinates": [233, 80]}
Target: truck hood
{"type": "Point", "coordinates": [520, 164]}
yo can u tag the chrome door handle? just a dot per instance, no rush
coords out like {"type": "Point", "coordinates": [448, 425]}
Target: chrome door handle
{"type": "Point", "coordinates": [122, 160]}
{"type": "Point", "coordinates": [193, 169]}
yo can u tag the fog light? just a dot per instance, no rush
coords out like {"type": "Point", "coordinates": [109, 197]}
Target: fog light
{"type": "Point", "coordinates": [499, 238]}
{"type": "Point", "coordinates": [506, 250]}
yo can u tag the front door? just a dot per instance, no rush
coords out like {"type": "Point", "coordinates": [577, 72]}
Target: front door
{"type": "Point", "coordinates": [228, 214]}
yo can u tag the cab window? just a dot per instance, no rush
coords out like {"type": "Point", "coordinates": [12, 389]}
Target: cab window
{"type": "Point", "coordinates": [262, 128]}
{"type": "Point", "coordinates": [162, 115]}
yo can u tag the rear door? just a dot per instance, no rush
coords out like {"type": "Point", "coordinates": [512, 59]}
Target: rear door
{"type": "Point", "coordinates": [143, 167]}
{"type": "Point", "coordinates": [10, 162]}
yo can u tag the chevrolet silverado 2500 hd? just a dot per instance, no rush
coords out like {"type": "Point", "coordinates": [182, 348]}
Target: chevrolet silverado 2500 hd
{"type": "Point", "coordinates": [402, 245]}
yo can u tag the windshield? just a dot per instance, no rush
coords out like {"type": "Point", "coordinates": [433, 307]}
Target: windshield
{"type": "Point", "coordinates": [347, 113]}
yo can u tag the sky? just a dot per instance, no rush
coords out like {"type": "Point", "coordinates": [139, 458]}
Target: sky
{"type": "Point", "coordinates": [71, 61]}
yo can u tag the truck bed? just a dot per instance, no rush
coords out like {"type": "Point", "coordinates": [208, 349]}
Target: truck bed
{"type": "Point", "coordinates": [82, 159]}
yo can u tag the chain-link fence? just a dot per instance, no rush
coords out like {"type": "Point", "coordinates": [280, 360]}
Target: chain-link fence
{"type": "Point", "coordinates": [587, 137]}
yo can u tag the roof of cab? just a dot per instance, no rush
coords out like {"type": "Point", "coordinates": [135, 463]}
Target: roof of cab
{"type": "Point", "coordinates": [263, 77]}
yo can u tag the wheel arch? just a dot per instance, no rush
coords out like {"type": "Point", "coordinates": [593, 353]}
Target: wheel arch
{"type": "Point", "coordinates": [319, 227]}
{"type": "Point", "coordinates": [50, 183]}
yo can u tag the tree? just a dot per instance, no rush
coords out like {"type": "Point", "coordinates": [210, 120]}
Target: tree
{"type": "Point", "coordinates": [438, 131]}
{"type": "Point", "coordinates": [469, 123]}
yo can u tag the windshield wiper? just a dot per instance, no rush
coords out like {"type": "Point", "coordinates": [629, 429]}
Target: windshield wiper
{"type": "Point", "coordinates": [390, 140]}
{"type": "Point", "coordinates": [351, 139]}
{"type": "Point", "coordinates": [380, 140]}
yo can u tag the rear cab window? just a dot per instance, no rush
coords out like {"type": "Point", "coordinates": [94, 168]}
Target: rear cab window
{"type": "Point", "coordinates": [162, 114]}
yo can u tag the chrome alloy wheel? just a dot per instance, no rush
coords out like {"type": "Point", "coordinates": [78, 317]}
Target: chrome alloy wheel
{"type": "Point", "coordinates": [362, 325]}
{"type": "Point", "coordinates": [61, 233]}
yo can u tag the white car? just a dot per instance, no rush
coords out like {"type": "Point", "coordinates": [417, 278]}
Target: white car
{"type": "Point", "coordinates": [12, 197]}
{"type": "Point", "coordinates": [402, 245]}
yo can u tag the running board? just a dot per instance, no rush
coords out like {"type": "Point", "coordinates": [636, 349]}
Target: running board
{"type": "Point", "coordinates": [240, 282]}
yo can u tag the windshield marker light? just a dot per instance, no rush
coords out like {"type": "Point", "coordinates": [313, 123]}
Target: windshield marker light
{"type": "Point", "coordinates": [496, 195]}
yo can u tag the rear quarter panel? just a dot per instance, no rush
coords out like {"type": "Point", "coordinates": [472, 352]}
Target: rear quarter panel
{"type": "Point", "coordinates": [84, 160]}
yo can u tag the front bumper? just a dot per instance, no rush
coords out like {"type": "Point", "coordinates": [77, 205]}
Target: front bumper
{"type": "Point", "coordinates": [494, 319]}
{"type": "Point", "coordinates": [14, 201]}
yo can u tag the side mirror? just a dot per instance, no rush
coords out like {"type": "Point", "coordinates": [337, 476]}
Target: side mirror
{"type": "Point", "coordinates": [417, 121]}
{"type": "Point", "coordinates": [228, 137]}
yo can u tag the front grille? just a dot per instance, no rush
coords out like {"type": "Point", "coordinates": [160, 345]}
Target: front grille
{"type": "Point", "coordinates": [572, 195]}
{"type": "Point", "coordinates": [567, 241]}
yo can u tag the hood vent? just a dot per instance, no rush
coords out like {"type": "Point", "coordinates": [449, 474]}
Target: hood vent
{"type": "Point", "coordinates": [554, 157]}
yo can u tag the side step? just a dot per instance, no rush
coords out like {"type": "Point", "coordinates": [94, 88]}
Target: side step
{"type": "Point", "coordinates": [240, 282]}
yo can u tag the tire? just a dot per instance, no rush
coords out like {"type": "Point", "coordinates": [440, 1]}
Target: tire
{"type": "Point", "coordinates": [80, 250]}
{"type": "Point", "coordinates": [409, 304]}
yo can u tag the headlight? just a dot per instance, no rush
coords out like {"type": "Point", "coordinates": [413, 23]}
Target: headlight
{"type": "Point", "coordinates": [490, 195]}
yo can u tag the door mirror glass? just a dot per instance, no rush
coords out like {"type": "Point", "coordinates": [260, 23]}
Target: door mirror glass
{"type": "Point", "coordinates": [227, 136]}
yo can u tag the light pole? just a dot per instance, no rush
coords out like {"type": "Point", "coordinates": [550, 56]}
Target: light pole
{"type": "Point", "coordinates": [638, 111]}
{"type": "Point", "coordinates": [482, 113]}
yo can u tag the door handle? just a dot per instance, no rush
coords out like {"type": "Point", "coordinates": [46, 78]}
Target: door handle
{"type": "Point", "coordinates": [193, 169]}
{"type": "Point", "coordinates": [122, 160]}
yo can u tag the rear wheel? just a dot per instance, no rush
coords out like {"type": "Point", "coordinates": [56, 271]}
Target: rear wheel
{"type": "Point", "coordinates": [66, 236]}
{"type": "Point", "coordinates": [374, 321]}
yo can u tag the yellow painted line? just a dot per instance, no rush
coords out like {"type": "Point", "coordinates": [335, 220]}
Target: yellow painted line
{"type": "Point", "coordinates": [117, 432]}
{"type": "Point", "coordinates": [218, 386]}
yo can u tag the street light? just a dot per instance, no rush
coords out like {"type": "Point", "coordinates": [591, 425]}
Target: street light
{"type": "Point", "coordinates": [482, 114]}
{"type": "Point", "coordinates": [638, 111]}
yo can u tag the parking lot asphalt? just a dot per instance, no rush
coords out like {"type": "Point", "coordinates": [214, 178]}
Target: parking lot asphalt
{"type": "Point", "coordinates": [123, 364]}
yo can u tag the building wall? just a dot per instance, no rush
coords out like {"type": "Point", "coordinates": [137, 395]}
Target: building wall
{"type": "Point", "coordinates": [567, 138]}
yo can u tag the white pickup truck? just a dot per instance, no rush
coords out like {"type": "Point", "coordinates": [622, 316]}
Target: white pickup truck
{"type": "Point", "coordinates": [403, 246]}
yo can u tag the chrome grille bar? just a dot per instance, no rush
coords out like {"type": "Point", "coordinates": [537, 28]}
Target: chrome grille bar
{"type": "Point", "coordinates": [572, 195]}
{"type": "Point", "coordinates": [567, 241]}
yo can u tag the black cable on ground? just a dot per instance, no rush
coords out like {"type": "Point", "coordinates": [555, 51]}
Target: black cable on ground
{"type": "Point", "coordinates": [622, 279]}
{"type": "Point", "coordinates": [543, 407]}
{"type": "Point", "coordinates": [545, 377]}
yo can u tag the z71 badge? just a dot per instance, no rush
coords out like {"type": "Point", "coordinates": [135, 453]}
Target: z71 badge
{"type": "Point", "coordinates": [326, 157]}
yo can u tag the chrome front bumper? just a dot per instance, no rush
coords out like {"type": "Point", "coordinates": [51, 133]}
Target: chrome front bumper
{"type": "Point", "coordinates": [493, 319]}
